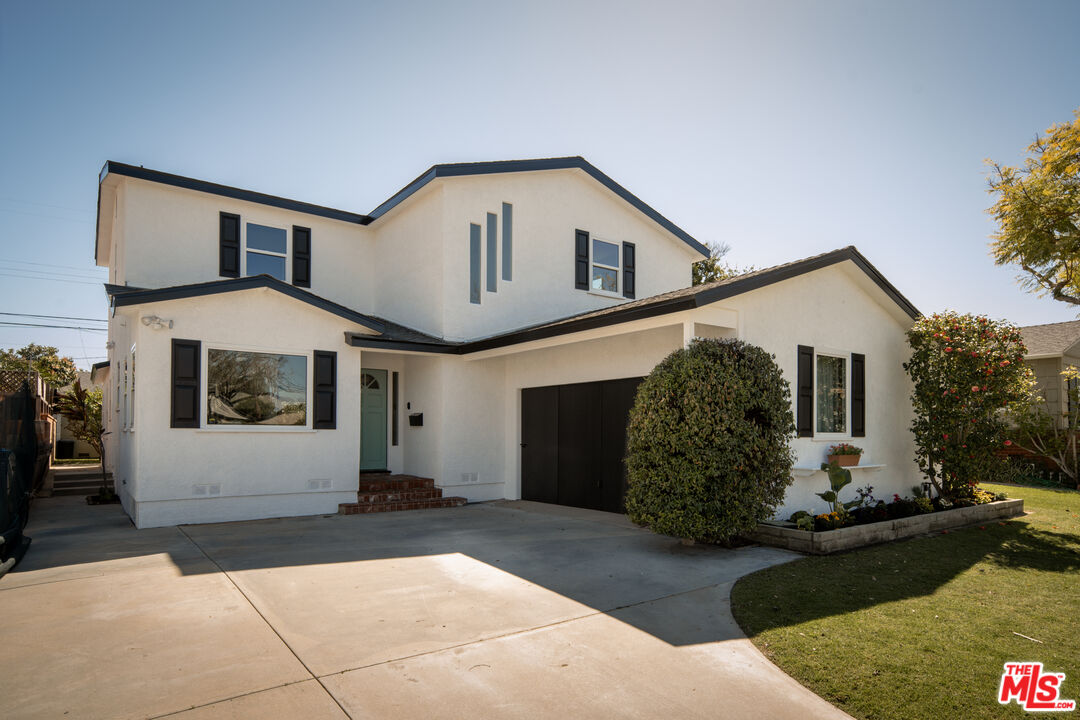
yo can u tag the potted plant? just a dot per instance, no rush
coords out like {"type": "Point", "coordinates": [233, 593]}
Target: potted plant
{"type": "Point", "coordinates": [844, 454]}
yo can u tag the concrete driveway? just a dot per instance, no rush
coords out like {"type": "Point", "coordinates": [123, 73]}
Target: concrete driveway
{"type": "Point", "coordinates": [509, 610]}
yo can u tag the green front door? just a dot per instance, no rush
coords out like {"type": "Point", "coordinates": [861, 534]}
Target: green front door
{"type": "Point", "coordinates": [372, 419]}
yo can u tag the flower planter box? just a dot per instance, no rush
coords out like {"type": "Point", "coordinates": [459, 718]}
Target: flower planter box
{"type": "Point", "coordinates": [830, 541]}
{"type": "Point", "coordinates": [844, 460]}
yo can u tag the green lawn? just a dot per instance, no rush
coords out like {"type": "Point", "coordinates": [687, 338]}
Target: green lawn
{"type": "Point", "coordinates": [921, 629]}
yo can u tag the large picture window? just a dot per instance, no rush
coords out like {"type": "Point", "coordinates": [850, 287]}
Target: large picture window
{"type": "Point", "coordinates": [831, 394]}
{"type": "Point", "coordinates": [254, 388]}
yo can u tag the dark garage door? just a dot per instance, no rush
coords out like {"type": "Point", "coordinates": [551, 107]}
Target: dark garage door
{"type": "Point", "coordinates": [573, 438]}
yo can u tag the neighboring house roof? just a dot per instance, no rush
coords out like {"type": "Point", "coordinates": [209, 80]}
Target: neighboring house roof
{"type": "Point", "coordinates": [1050, 339]}
{"type": "Point", "coordinates": [99, 371]}
{"type": "Point", "coordinates": [670, 302]}
{"type": "Point", "coordinates": [125, 295]}
{"type": "Point", "coordinates": [112, 167]}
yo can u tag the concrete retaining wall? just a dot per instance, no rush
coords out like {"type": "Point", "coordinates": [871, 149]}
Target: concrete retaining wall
{"type": "Point", "coordinates": [830, 541]}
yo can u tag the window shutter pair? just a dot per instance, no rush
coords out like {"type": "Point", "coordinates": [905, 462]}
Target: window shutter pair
{"type": "Point", "coordinates": [229, 250]}
{"type": "Point", "coordinates": [581, 264]}
{"type": "Point", "coordinates": [186, 390]}
{"type": "Point", "coordinates": [804, 396]}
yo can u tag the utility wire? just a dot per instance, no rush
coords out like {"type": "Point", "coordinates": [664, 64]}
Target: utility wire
{"type": "Point", "coordinates": [52, 265]}
{"type": "Point", "coordinates": [31, 277]}
{"type": "Point", "coordinates": [52, 317]}
{"type": "Point", "coordinates": [51, 273]}
{"type": "Point", "coordinates": [8, 323]}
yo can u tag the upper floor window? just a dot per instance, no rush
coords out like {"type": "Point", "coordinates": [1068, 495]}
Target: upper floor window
{"type": "Point", "coordinates": [605, 266]}
{"type": "Point", "coordinates": [266, 251]}
{"type": "Point", "coordinates": [598, 265]}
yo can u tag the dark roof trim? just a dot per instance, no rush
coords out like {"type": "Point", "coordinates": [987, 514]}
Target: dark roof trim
{"type": "Point", "coordinates": [373, 342]}
{"type": "Point", "coordinates": [562, 163]}
{"type": "Point", "coordinates": [663, 305]}
{"type": "Point", "coordinates": [99, 365]}
{"type": "Point", "coordinates": [115, 168]}
{"type": "Point", "coordinates": [131, 296]}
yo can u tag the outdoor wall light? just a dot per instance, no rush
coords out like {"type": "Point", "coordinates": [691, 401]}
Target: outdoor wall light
{"type": "Point", "coordinates": [153, 321]}
{"type": "Point", "coordinates": [926, 489]}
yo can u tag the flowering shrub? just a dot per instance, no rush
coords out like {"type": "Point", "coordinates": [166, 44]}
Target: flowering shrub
{"type": "Point", "coordinates": [844, 449]}
{"type": "Point", "coordinates": [965, 369]}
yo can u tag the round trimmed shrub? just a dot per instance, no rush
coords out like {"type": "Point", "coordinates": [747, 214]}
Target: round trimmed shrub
{"type": "Point", "coordinates": [708, 444]}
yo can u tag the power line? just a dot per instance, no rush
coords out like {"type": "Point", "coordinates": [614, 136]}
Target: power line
{"type": "Point", "coordinates": [8, 323]}
{"type": "Point", "coordinates": [52, 265]}
{"type": "Point", "coordinates": [52, 317]}
{"type": "Point", "coordinates": [51, 280]}
{"type": "Point", "coordinates": [51, 273]}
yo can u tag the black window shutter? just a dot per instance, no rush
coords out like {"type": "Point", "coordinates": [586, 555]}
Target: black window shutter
{"type": "Point", "coordinates": [186, 358]}
{"type": "Point", "coordinates": [229, 258]}
{"type": "Point", "coordinates": [324, 415]}
{"type": "Point", "coordinates": [858, 395]}
{"type": "Point", "coordinates": [805, 397]}
{"type": "Point", "coordinates": [581, 260]}
{"type": "Point", "coordinates": [628, 254]}
{"type": "Point", "coordinates": [301, 256]}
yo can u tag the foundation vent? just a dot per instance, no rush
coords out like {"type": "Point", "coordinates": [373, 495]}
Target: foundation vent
{"type": "Point", "coordinates": [469, 478]}
{"type": "Point", "coordinates": [206, 490]}
{"type": "Point", "coordinates": [319, 484]}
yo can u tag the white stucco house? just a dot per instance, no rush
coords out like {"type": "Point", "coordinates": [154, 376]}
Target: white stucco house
{"type": "Point", "coordinates": [486, 326]}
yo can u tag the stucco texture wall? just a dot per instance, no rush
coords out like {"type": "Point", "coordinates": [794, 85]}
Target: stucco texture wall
{"type": "Point", "coordinates": [269, 469]}
{"type": "Point", "coordinates": [170, 236]}
{"type": "Point", "coordinates": [547, 209]}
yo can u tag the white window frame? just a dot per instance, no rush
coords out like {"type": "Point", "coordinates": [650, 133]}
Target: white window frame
{"type": "Point", "coordinates": [204, 384]}
{"type": "Point", "coordinates": [846, 434]}
{"type": "Point", "coordinates": [617, 268]}
{"type": "Point", "coordinates": [131, 393]}
{"type": "Point", "coordinates": [245, 250]}
{"type": "Point", "coordinates": [124, 415]}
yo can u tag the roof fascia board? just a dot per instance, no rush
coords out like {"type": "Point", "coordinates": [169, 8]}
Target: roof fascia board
{"type": "Point", "coordinates": [115, 168]}
{"type": "Point", "coordinates": [123, 296]}
{"type": "Point", "coordinates": [373, 343]}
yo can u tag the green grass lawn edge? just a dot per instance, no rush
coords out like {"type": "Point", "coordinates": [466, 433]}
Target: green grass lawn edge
{"type": "Point", "coordinates": [921, 628]}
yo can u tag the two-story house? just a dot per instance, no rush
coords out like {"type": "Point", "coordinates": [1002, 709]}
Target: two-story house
{"type": "Point", "coordinates": [486, 326]}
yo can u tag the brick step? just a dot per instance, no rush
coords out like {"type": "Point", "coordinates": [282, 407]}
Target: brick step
{"type": "Point", "coordinates": [395, 483]}
{"type": "Point", "coordinates": [399, 495]}
{"type": "Point", "coordinates": [364, 508]}
{"type": "Point", "coordinates": [78, 477]}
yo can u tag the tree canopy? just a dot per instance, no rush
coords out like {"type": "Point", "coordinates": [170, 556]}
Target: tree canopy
{"type": "Point", "coordinates": [1038, 213]}
{"type": "Point", "coordinates": [42, 359]}
{"type": "Point", "coordinates": [713, 267]}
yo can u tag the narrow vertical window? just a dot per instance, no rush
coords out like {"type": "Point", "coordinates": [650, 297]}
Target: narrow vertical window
{"type": "Point", "coordinates": [394, 409]}
{"type": "Point", "coordinates": [492, 252]}
{"type": "Point", "coordinates": [474, 263]}
{"type": "Point", "coordinates": [507, 241]}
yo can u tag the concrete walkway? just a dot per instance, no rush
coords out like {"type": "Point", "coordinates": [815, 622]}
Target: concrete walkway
{"type": "Point", "coordinates": [507, 610]}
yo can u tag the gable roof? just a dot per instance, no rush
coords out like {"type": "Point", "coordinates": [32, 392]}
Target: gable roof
{"type": "Point", "coordinates": [125, 295]}
{"type": "Point", "coordinates": [663, 304]}
{"type": "Point", "coordinates": [1052, 338]}
{"type": "Point", "coordinates": [510, 166]}
{"type": "Point", "coordinates": [112, 167]}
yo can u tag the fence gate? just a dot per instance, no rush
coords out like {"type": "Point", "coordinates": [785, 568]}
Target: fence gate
{"type": "Point", "coordinates": [22, 456]}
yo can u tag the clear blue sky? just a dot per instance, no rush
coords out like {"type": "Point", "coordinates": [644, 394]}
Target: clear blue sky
{"type": "Point", "coordinates": [782, 128]}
